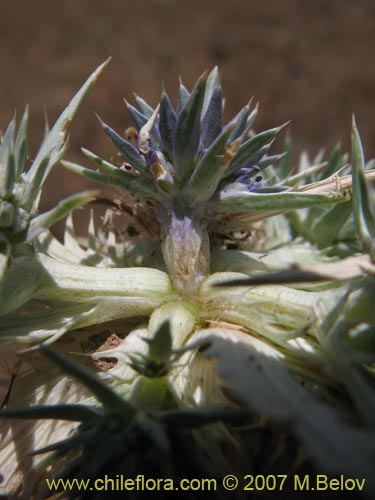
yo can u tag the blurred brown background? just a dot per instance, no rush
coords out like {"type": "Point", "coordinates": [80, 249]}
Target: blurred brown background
{"type": "Point", "coordinates": [310, 61]}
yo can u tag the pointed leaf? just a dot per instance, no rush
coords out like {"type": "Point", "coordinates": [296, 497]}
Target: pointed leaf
{"type": "Point", "coordinates": [20, 146]}
{"type": "Point", "coordinates": [133, 183]}
{"type": "Point", "coordinates": [129, 152]}
{"type": "Point", "coordinates": [145, 108]}
{"type": "Point", "coordinates": [363, 197]}
{"type": "Point", "coordinates": [303, 176]}
{"type": "Point", "coordinates": [7, 166]}
{"type": "Point", "coordinates": [239, 122]}
{"type": "Point", "coordinates": [160, 345]}
{"type": "Point", "coordinates": [188, 129]}
{"type": "Point", "coordinates": [269, 160]}
{"type": "Point", "coordinates": [248, 202]}
{"type": "Point", "coordinates": [8, 137]}
{"type": "Point", "coordinates": [212, 122]}
{"type": "Point", "coordinates": [212, 109]}
{"type": "Point", "coordinates": [183, 97]}
{"type": "Point", "coordinates": [249, 122]}
{"type": "Point", "coordinates": [93, 175]}
{"type": "Point", "coordinates": [249, 148]}
{"type": "Point", "coordinates": [333, 163]}
{"type": "Point", "coordinates": [327, 227]}
{"type": "Point", "coordinates": [138, 118]}
{"type": "Point", "coordinates": [167, 125]}
{"type": "Point", "coordinates": [82, 283]}
{"type": "Point", "coordinates": [209, 171]}
{"type": "Point", "coordinates": [4, 256]}
{"type": "Point", "coordinates": [212, 86]}
{"type": "Point", "coordinates": [19, 284]}
{"type": "Point", "coordinates": [55, 143]}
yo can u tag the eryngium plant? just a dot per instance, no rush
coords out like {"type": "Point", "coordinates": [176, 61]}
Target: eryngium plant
{"type": "Point", "coordinates": [231, 331]}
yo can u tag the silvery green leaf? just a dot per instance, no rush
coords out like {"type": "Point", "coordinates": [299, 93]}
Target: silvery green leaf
{"type": "Point", "coordinates": [334, 164]}
{"type": "Point", "coordinates": [327, 227]}
{"type": "Point", "coordinates": [209, 170]}
{"type": "Point", "coordinates": [187, 133]}
{"type": "Point", "coordinates": [8, 137]}
{"type": "Point", "coordinates": [363, 197]}
{"type": "Point", "coordinates": [303, 176]}
{"type": "Point", "coordinates": [129, 152]}
{"type": "Point", "coordinates": [20, 282]}
{"type": "Point", "coordinates": [269, 160]}
{"type": "Point", "coordinates": [138, 118]}
{"type": "Point", "coordinates": [20, 146]}
{"type": "Point", "coordinates": [181, 320]}
{"type": "Point", "coordinates": [126, 180]}
{"type": "Point", "coordinates": [93, 175]}
{"type": "Point", "coordinates": [114, 308]}
{"type": "Point", "coordinates": [160, 344]}
{"type": "Point", "coordinates": [73, 412]}
{"type": "Point", "coordinates": [212, 109]}
{"type": "Point", "coordinates": [4, 256]}
{"type": "Point", "coordinates": [233, 202]}
{"type": "Point", "coordinates": [183, 97]}
{"type": "Point", "coordinates": [258, 156]}
{"type": "Point", "coordinates": [167, 124]}
{"type": "Point", "coordinates": [212, 85]}
{"type": "Point", "coordinates": [109, 398]}
{"type": "Point", "coordinates": [239, 122]}
{"type": "Point", "coordinates": [145, 108]}
{"type": "Point", "coordinates": [81, 283]}
{"type": "Point", "coordinates": [7, 165]}
{"type": "Point", "coordinates": [55, 144]}
{"type": "Point", "coordinates": [249, 148]}
{"type": "Point", "coordinates": [212, 121]}
{"type": "Point", "coordinates": [43, 221]}
{"type": "Point", "coordinates": [249, 122]}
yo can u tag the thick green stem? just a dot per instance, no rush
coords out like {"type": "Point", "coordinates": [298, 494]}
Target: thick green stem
{"type": "Point", "coordinates": [186, 250]}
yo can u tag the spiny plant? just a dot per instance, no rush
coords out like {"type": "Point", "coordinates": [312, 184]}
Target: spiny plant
{"type": "Point", "coordinates": [235, 334]}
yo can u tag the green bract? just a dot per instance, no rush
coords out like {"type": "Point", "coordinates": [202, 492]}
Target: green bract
{"type": "Point", "coordinates": [196, 173]}
{"type": "Point", "coordinates": [231, 329]}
